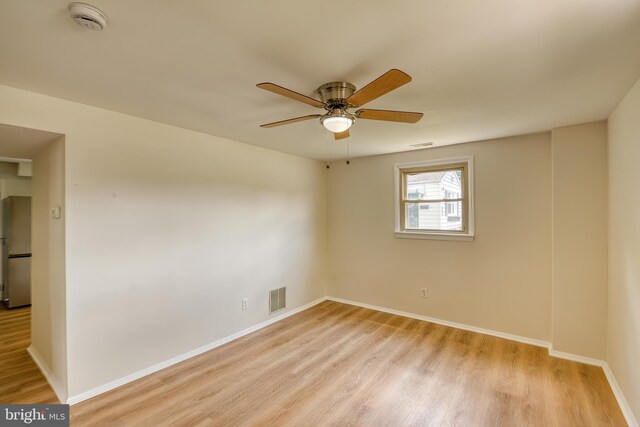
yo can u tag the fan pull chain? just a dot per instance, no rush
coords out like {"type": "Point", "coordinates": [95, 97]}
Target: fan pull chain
{"type": "Point", "coordinates": [327, 152]}
{"type": "Point", "coordinates": [348, 155]}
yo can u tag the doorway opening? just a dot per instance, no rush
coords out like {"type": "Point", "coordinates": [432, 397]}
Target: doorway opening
{"type": "Point", "coordinates": [32, 271]}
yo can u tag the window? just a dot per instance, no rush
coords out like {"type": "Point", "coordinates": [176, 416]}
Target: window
{"type": "Point", "coordinates": [434, 199]}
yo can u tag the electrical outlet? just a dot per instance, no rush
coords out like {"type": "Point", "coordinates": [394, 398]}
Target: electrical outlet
{"type": "Point", "coordinates": [245, 303]}
{"type": "Point", "coordinates": [423, 293]}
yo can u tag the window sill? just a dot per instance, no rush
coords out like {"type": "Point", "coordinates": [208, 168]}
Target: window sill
{"type": "Point", "coordinates": [434, 236]}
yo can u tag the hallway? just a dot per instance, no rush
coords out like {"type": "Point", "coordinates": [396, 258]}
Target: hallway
{"type": "Point", "coordinates": [20, 379]}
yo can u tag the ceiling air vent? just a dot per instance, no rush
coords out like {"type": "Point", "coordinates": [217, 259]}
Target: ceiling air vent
{"type": "Point", "coordinates": [88, 16]}
{"type": "Point", "coordinates": [277, 299]}
{"type": "Point", "coordinates": [422, 145]}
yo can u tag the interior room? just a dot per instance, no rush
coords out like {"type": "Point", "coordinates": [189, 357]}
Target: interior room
{"type": "Point", "coordinates": [283, 213]}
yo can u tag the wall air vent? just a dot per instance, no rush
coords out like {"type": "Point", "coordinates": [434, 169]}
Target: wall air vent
{"type": "Point", "coordinates": [277, 299]}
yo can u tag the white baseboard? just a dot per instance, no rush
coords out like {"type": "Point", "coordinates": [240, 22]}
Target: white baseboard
{"type": "Point", "coordinates": [624, 406]}
{"type": "Point", "coordinates": [518, 338]}
{"type": "Point", "coordinates": [622, 402]}
{"type": "Point", "coordinates": [51, 379]}
{"type": "Point", "coordinates": [576, 358]}
{"type": "Point", "coordinates": [150, 370]}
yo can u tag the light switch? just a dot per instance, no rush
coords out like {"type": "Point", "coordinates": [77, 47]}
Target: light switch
{"type": "Point", "coordinates": [56, 212]}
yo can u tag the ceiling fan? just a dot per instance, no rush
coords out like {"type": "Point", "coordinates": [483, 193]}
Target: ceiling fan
{"type": "Point", "coordinates": [338, 97]}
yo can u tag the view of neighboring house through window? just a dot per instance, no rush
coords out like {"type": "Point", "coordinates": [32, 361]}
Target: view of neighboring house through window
{"type": "Point", "coordinates": [440, 200]}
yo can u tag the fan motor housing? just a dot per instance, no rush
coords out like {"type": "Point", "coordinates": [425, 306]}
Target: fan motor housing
{"type": "Point", "coordinates": [334, 94]}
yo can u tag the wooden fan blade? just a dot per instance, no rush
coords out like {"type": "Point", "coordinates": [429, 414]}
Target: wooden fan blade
{"type": "Point", "coordinates": [387, 82]}
{"type": "Point", "coordinates": [341, 135]}
{"type": "Point", "coordinates": [290, 94]}
{"type": "Point", "coordinates": [289, 121]}
{"type": "Point", "coordinates": [389, 116]}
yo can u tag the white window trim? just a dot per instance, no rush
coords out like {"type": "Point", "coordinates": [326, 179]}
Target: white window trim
{"type": "Point", "coordinates": [430, 234]}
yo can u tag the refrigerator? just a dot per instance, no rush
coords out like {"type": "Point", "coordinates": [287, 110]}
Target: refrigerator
{"type": "Point", "coordinates": [16, 251]}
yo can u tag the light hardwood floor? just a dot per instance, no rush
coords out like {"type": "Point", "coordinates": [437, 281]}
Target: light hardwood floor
{"type": "Point", "coordinates": [20, 379]}
{"type": "Point", "coordinates": [336, 364]}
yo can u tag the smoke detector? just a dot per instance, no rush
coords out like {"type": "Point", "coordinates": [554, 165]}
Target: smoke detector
{"type": "Point", "coordinates": [88, 16]}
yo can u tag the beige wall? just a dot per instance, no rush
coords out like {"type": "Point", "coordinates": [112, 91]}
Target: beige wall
{"type": "Point", "coordinates": [15, 187]}
{"type": "Point", "coordinates": [623, 351]}
{"type": "Point", "coordinates": [10, 183]}
{"type": "Point", "coordinates": [167, 231]}
{"type": "Point", "coordinates": [579, 179]}
{"type": "Point", "coordinates": [48, 317]}
{"type": "Point", "coordinates": [501, 280]}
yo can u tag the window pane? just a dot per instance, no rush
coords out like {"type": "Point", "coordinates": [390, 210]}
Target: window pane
{"type": "Point", "coordinates": [434, 185]}
{"type": "Point", "coordinates": [434, 216]}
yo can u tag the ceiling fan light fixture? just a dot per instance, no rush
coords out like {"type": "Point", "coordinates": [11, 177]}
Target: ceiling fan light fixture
{"type": "Point", "coordinates": [336, 122]}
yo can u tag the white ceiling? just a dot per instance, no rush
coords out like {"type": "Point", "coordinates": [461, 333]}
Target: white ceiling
{"type": "Point", "coordinates": [481, 69]}
{"type": "Point", "coordinates": [18, 143]}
